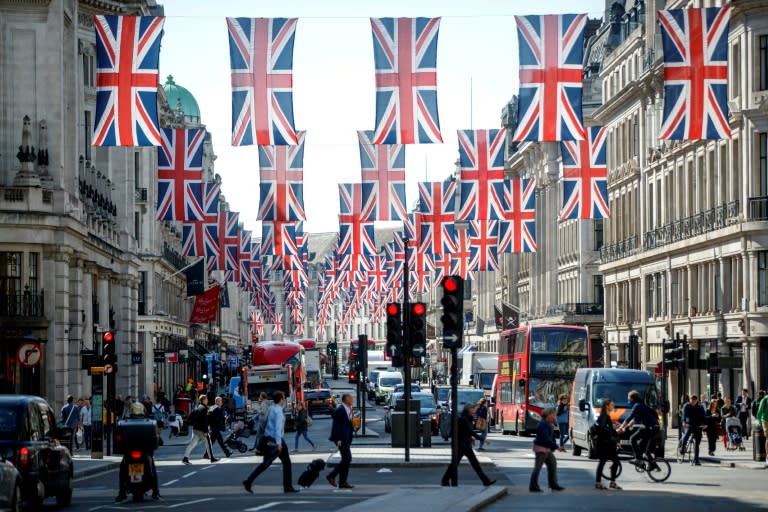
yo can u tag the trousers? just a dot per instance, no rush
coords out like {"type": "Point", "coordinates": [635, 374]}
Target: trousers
{"type": "Point", "coordinates": [342, 470]}
{"type": "Point", "coordinates": [549, 459]}
{"type": "Point", "coordinates": [465, 450]}
{"type": "Point", "coordinates": [269, 458]}
{"type": "Point", "coordinates": [198, 436]}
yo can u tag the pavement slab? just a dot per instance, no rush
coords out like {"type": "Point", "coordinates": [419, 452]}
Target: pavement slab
{"type": "Point", "coordinates": [466, 498]}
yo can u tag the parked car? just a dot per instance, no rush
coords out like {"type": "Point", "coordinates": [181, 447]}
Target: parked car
{"type": "Point", "coordinates": [385, 383]}
{"type": "Point", "coordinates": [400, 388]}
{"type": "Point", "coordinates": [28, 440]}
{"type": "Point", "coordinates": [320, 401]}
{"type": "Point", "coordinates": [10, 486]}
{"type": "Point", "coordinates": [427, 409]}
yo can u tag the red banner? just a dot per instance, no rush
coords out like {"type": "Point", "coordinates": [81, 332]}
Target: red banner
{"type": "Point", "coordinates": [206, 306]}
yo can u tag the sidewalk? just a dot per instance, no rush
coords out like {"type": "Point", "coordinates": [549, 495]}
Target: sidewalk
{"type": "Point", "coordinates": [395, 457]}
{"type": "Point", "coordinates": [723, 457]}
{"type": "Point", "coordinates": [466, 498]}
{"type": "Point", "coordinates": [86, 466]}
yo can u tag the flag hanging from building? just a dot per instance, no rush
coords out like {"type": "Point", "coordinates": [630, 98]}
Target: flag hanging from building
{"type": "Point", "coordinates": [277, 326]}
{"type": "Point", "coordinates": [244, 260]}
{"type": "Point", "coordinates": [356, 236]}
{"type": "Point", "coordinates": [483, 245]}
{"type": "Point", "coordinates": [180, 174]}
{"type": "Point", "coordinates": [481, 163]}
{"type": "Point", "coordinates": [437, 202]}
{"type": "Point", "coordinates": [196, 278]}
{"type": "Point", "coordinates": [461, 259]}
{"type": "Point", "coordinates": [551, 50]}
{"type": "Point", "coordinates": [695, 45]}
{"type": "Point", "coordinates": [127, 62]}
{"type": "Point", "coordinates": [261, 59]}
{"type": "Point", "coordinates": [278, 238]}
{"type": "Point", "coordinates": [229, 241]}
{"type": "Point", "coordinates": [585, 176]}
{"type": "Point", "coordinates": [383, 177]}
{"type": "Point", "coordinates": [211, 193]}
{"type": "Point", "coordinates": [281, 170]}
{"type": "Point", "coordinates": [206, 306]}
{"type": "Point", "coordinates": [518, 230]}
{"type": "Point", "coordinates": [405, 58]}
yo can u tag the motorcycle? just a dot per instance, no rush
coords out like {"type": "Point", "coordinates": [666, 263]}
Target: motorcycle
{"type": "Point", "coordinates": [137, 439]}
{"type": "Point", "coordinates": [140, 474]}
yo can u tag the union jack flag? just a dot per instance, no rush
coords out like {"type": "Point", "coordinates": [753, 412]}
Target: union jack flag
{"type": "Point", "coordinates": [180, 174]}
{"type": "Point", "coordinates": [261, 58]}
{"type": "Point", "coordinates": [377, 274]}
{"type": "Point", "coordinates": [201, 238]}
{"type": "Point", "coordinates": [244, 260]}
{"type": "Point", "coordinates": [211, 192]}
{"type": "Point", "coordinates": [405, 57]}
{"type": "Point", "coordinates": [383, 177]}
{"type": "Point", "coordinates": [278, 238]}
{"type": "Point", "coordinates": [481, 160]}
{"type": "Point", "coordinates": [281, 170]}
{"type": "Point", "coordinates": [518, 230]}
{"type": "Point", "coordinates": [277, 326]}
{"type": "Point", "coordinates": [695, 73]}
{"type": "Point", "coordinates": [437, 202]}
{"type": "Point", "coordinates": [229, 241]}
{"type": "Point", "coordinates": [551, 61]}
{"type": "Point", "coordinates": [356, 236]}
{"type": "Point", "coordinates": [442, 266]}
{"type": "Point", "coordinates": [461, 259]}
{"type": "Point", "coordinates": [483, 245]}
{"type": "Point", "coordinates": [127, 61]}
{"type": "Point", "coordinates": [585, 176]}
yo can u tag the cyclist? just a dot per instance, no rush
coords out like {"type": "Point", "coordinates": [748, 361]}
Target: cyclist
{"type": "Point", "coordinates": [642, 437]}
{"type": "Point", "coordinates": [694, 419]}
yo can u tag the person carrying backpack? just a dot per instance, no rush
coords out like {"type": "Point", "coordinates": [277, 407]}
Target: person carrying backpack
{"type": "Point", "coordinates": [198, 419]}
{"type": "Point", "coordinates": [606, 443]}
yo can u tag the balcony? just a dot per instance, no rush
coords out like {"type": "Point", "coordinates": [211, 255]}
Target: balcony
{"type": "Point", "coordinates": [22, 305]}
{"type": "Point", "coordinates": [174, 258]}
{"type": "Point", "coordinates": [576, 308]}
{"type": "Point", "coordinates": [618, 250]}
{"type": "Point", "coordinates": [758, 208]}
{"type": "Point", "coordinates": [683, 229]}
{"type": "Point", "coordinates": [141, 195]}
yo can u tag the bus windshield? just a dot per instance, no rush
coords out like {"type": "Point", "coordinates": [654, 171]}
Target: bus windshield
{"type": "Point", "coordinates": [618, 391]}
{"type": "Point", "coordinates": [543, 392]}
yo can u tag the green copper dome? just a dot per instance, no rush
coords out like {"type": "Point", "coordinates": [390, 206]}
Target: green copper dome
{"type": "Point", "coordinates": [180, 98]}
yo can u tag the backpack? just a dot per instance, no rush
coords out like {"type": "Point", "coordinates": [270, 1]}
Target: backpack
{"type": "Point", "coordinates": [192, 418]}
{"type": "Point", "coordinates": [158, 412]}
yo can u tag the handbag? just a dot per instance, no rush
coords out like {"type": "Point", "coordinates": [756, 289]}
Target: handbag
{"type": "Point", "coordinates": [265, 444]}
{"type": "Point", "coordinates": [309, 421]}
{"type": "Point", "coordinates": [481, 424]}
{"type": "Point", "coordinates": [79, 435]}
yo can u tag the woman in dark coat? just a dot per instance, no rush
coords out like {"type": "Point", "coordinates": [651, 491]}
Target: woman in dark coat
{"type": "Point", "coordinates": [713, 426]}
{"type": "Point", "coordinates": [606, 445]}
{"type": "Point", "coordinates": [465, 435]}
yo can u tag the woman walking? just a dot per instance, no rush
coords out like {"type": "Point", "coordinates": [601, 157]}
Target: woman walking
{"type": "Point", "coordinates": [302, 426]}
{"type": "Point", "coordinates": [464, 439]}
{"type": "Point", "coordinates": [544, 447]}
{"type": "Point", "coordinates": [607, 443]}
{"type": "Point", "coordinates": [713, 426]}
{"type": "Point", "coordinates": [728, 411]}
{"type": "Point", "coordinates": [481, 422]}
{"type": "Point", "coordinates": [562, 419]}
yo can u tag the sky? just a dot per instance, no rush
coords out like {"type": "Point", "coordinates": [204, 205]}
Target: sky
{"type": "Point", "coordinates": [333, 84]}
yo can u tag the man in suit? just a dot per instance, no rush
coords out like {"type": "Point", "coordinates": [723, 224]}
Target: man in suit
{"type": "Point", "coordinates": [341, 436]}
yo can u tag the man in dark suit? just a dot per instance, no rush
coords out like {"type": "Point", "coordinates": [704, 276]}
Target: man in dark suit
{"type": "Point", "coordinates": [341, 436]}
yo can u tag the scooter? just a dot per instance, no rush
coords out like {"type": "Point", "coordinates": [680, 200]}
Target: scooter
{"type": "Point", "coordinates": [137, 439]}
{"type": "Point", "coordinates": [139, 475]}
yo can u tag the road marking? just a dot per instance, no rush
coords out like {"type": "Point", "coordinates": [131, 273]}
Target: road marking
{"type": "Point", "coordinates": [275, 503]}
{"type": "Point", "coordinates": [201, 500]}
{"type": "Point", "coordinates": [189, 474]}
{"type": "Point", "coordinates": [169, 483]}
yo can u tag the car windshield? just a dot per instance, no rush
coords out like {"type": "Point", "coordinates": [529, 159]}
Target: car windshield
{"type": "Point", "coordinates": [314, 395]}
{"type": "Point", "coordinates": [443, 394]}
{"type": "Point", "coordinates": [469, 396]}
{"type": "Point", "coordinates": [618, 391]}
{"type": "Point", "coordinates": [389, 382]}
{"type": "Point", "coordinates": [427, 401]}
{"type": "Point", "coordinates": [8, 423]}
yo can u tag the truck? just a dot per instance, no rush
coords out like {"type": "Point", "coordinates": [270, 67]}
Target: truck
{"type": "Point", "coordinates": [479, 369]}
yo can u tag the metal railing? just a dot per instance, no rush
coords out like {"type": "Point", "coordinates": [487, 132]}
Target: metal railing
{"type": "Point", "coordinates": [22, 304]}
{"type": "Point", "coordinates": [758, 208]}
{"type": "Point", "coordinates": [174, 258]}
{"type": "Point", "coordinates": [618, 250]}
{"type": "Point", "coordinates": [700, 223]}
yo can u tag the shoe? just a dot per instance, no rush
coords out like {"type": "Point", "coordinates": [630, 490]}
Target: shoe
{"type": "Point", "coordinates": [228, 454]}
{"type": "Point", "coordinates": [331, 480]}
{"type": "Point", "coordinates": [156, 496]}
{"type": "Point", "coordinates": [445, 484]}
{"type": "Point", "coordinates": [711, 454]}
{"type": "Point", "coordinates": [696, 463]}
{"type": "Point", "coordinates": [535, 489]}
{"type": "Point", "coordinates": [482, 450]}
{"type": "Point", "coordinates": [600, 486]}
{"type": "Point", "coordinates": [247, 486]}
{"type": "Point", "coordinates": [615, 486]}
{"type": "Point", "coordinates": [314, 448]}
{"type": "Point", "coordinates": [206, 456]}
{"type": "Point", "coordinates": [120, 498]}
{"type": "Point", "coordinates": [636, 462]}
{"type": "Point", "coordinates": [186, 461]}
{"type": "Point", "coordinates": [290, 490]}
{"type": "Point", "coordinates": [489, 483]}
{"type": "Point", "coordinates": [557, 488]}
{"type": "Point", "coordinates": [346, 485]}
{"type": "Point", "coordinates": [214, 459]}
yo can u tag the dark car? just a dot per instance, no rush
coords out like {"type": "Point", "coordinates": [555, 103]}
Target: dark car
{"type": "Point", "coordinates": [28, 440]}
{"type": "Point", "coordinates": [427, 410]}
{"type": "Point", "coordinates": [320, 401]}
{"type": "Point", "coordinates": [10, 486]}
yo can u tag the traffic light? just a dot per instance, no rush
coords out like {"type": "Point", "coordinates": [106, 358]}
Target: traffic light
{"type": "Point", "coordinates": [453, 311]}
{"type": "Point", "coordinates": [395, 334]}
{"type": "Point", "coordinates": [417, 330]}
{"type": "Point", "coordinates": [361, 357]}
{"type": "Point", "coordinates": [205, 378]}
{"type": "Point", "coordinates": [634, 352]}
{"type": "Point", "coordinates": [332, 348]}
{"type": "Point", "coordinates": [215, 371]}
{"type": "Point", "coordinates": [673, 354]}
{"type": "Point", "coordinates": [108, 355]}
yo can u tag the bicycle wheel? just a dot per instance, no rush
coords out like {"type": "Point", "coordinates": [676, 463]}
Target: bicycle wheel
{"type": "Point", "coordinates": [661, 472]}
{"type": "Point", "coordinates": [606, 473]}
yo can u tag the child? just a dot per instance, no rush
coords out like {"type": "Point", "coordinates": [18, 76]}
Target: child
{"type": "Point", "coordinates": [174, 425]}
{"type": "Point", "coordinates": [544, 446]}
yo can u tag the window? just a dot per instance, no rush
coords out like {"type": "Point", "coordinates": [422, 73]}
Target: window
{"type": "Point", "coordinates": [10, 273]}
{"type": "Point", "coordinates": [735, 78]}
{"type": "Point", "coordinates": [137, 227]}
{"type": "Point", "coordinates": [599, 291]}
{"type": "Point", "coordinates": [763, 63]}
{"type": "Point", "coordinates": [89, 70]}
{"type": "Point", "coordinates": [142, 299]}
{"type": "Point", "coordinates": [136, 169]}
{"type": "Point", "coordinates": [598, 228]}
{"type": "Point", "coordinates": [649, 303]}
{"type": "Point", "coordinates": [762, 167]}
{"type": "Point", "coordinates": [674, 290]}
{"type": "Point", "coordinates": [762, 278]}
{"type": "Point", "coordinates": [34, 272]}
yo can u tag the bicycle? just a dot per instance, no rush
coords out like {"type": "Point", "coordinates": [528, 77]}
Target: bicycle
{"type": "Point", "coordinates": [685, 450]}
{"type": "Point", "coordinates": [658, 469]}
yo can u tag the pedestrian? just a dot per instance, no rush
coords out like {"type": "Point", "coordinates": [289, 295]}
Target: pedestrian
{"type": "Point", "coordinates": [464, 437]}
{"type": "Point", "coordinates": [216, 423]}
{"type": "Point", "coordinates": [303, 422]}
{"type": "Point", "coordinates": [70, 417]}
{"type": "Point", "coordinates": [481, 422]}
{"type": "Point", "coordinates": [86, 423]}
{"type": "Point", "coordinates": [562, 418]}
{"type": "Point", "coordinates": [720, 401]}
{"type": "Point", "coordinates": [174, 425]}
{"type": "Point", "coordinates": [127, 407]}
{"type": "Point", "coordinates": [756, 402]}
{"type": "Point", "coordinates": [694, 419]}
{"type": "Point", "coordinates": [79, 437]}
{"type": "Point", "coordinates": [158, 414]}
{"type": "Point", "coordinates": [743, 406]}
{"type": "Point", "coordinates": [544, 446]}
{"type": "Point", "coordinates": [341, 435]}
{"type": "Point", "coordinates": [606, 445]}
{"type": "Point", "coordinates": [762, 417]}
{"type": "Point", "coordinates": [259, 420]}
{"type": "Point", "coordinates": [119, 405]}
{"type": "Point", "coordinates": [274, 447]}
{"type": "Point", "coordinates": [727, 411]}
{"type": "Point", "coordinates": [713, 426]}
{"type": "Point", "coordinates": [198, 419]}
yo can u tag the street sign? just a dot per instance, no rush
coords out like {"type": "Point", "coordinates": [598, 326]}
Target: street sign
{"type": "Point", "coordinates": [233, 362]}
{"type": "Point", "coordinates": [107, 369]}
{"type": "Point", "coordinates": [136, 357]}
{"type": "Point", "coordinates": [29, 354]}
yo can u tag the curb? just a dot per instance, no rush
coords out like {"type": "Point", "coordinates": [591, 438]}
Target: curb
{"type": "Point", "coordinates": [485, 498]}
{"type": "Point", "coordinates": [744, 465]}
{"type": "Point", "coordinates": [109, 466]}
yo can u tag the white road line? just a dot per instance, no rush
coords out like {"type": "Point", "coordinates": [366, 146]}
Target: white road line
{"type": "Point", "coordinates": [189, 474]}
{"type": "Point", "coordinates": [169, 483]}
{"type": "Point", "coordinates": [202, 500]}
{"type": "Point", "coordinates": [275, 503]}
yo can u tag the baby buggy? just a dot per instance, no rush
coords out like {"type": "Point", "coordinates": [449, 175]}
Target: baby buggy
{"type": "Point", "coordinates": [233, 439]}
{"type": "Point", "coordinates": [733, 433]}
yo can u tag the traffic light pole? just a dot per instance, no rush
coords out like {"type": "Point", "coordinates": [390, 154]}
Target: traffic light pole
{"type": "Point", "coordinates": [454, 417]}
{"type": "Point", "coordinates": [406, 355]}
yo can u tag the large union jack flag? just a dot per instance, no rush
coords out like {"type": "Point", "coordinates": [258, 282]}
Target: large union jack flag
{"type": "Point", "coordinates": [281, 169]}
{"type": "Point", "coordinates": [229, 241]}
{"type": "Point", "coordinates": [585, 176]}
{"type": "Point", "coordinates": [462, 258]}
{"type": "Point", "coordinates": [201, 238]}
{"type": "Point", "coordinates": [405, 57]}
{"type": "Point", "coordinates": [180, 174]}
{"type": "Point", "coordinates": [261, 58]}
{"type": "Point", "coordinates": [437, 202]}
{"type": "Point", "coordinates": [127, 61]}
{"type": "Point", "coordinates": [483, 245]}
{"type": "Point", "coordinates": [551, 61]}
{"type": "Point", "coordinates": [356, 235]}
{"type": "Point", "coordinates": [279, 238]}
{"type": "Point", "coordinates": [518, 230]}
{"type": "Point", "coordinates": [481, 163]}
{"type": "Point", "coordinates": [383, 176]}
{"type": "Point", "coordinates": [695, 73]}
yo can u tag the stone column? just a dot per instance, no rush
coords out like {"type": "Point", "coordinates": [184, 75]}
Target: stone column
{"type": "Point", "coordinates": [57, 379]}
{"type": "Point", "coordinates": [102, 294]}
{"type": "Point", "coordinates": [77, 304]}
{"type": "Point", "coordinates": [89, 284]}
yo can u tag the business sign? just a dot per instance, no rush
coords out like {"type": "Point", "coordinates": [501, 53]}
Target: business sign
{"type": "Point", "coordinates": [136, 357]}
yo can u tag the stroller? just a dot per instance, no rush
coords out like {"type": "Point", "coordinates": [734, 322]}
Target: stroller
{"type": "Point", "coordinates": [233, 439]}
{"type": "Point", "coordinates": [733, 434]}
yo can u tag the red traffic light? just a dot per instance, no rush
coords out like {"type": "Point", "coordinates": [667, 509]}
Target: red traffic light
{"type": "Point", "coordinates": [418, 309]}
{"type": "Point", "coordinates": [108, 337]}
{"type": "Point", "coordinates": [393, 309]}
{"type": "Point", "coordinates": [450, 284]}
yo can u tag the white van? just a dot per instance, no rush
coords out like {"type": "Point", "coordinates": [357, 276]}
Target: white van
{"type": "Point", "coordinates": [385, 384]}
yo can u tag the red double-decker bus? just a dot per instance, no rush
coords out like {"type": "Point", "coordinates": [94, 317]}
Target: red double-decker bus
{"type": "Point", "coordinates": [537, 363]}
{"type": "Point", "coordinates": [353, 346]}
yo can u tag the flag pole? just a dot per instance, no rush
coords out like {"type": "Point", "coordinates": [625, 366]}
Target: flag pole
{"type": "Point", "coordinates": [183, 269]}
